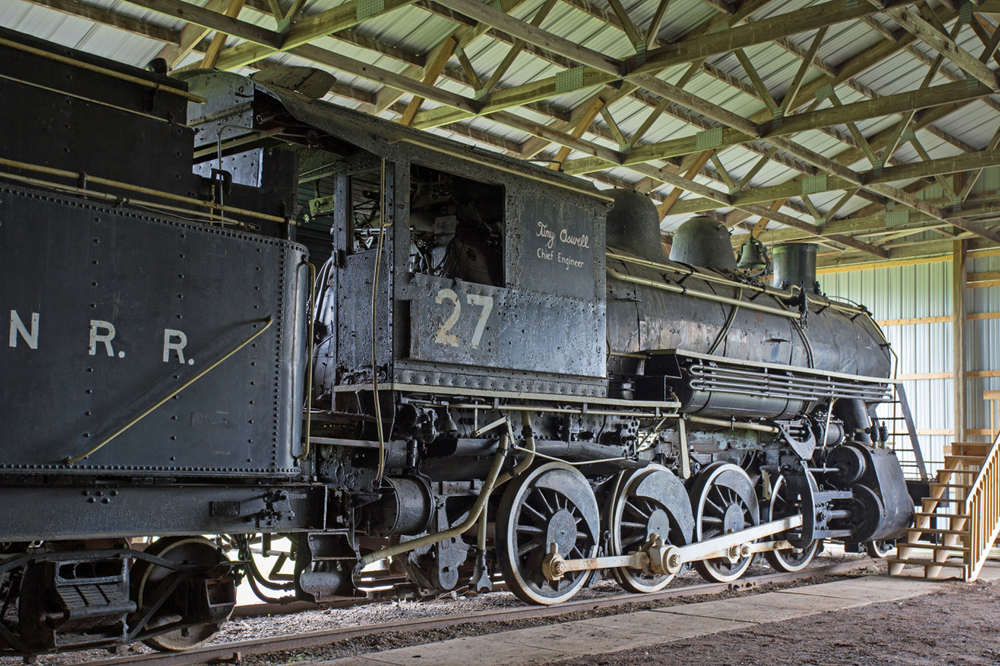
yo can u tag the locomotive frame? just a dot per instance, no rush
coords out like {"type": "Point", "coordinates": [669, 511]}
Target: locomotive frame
{"type": "Point", "coordinates": [483, 376]}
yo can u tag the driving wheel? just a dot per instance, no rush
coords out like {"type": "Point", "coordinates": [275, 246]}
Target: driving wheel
{"type": "Point", "coordinates": [793, 559]}
{"type": "Point", "coordinates": [724, 501]}
{"type": "Point", "coordinates": [551, 509]}
{"type": "Point", "coordinates": [647, 502]}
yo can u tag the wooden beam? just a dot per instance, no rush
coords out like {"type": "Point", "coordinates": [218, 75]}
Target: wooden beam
{"type": "Point", "coordinates": [759, 32]}
{"type": "Point", "coordinates": [629, 27]}
{"type": "Point", "coordinates": [444, 53]}
{"type": "Point", "coordinates": [890, 104]}
{"type": "Point", "coordinates": [588, 116]}
{"type": "Point", "coordinates": [699, 162]}
{"type": "Point", "coordinates": [945, 45]}
{"type": "Point", "coordinates": [515, 50]}
{"type": "Point", "coordinates": [385, 77]}
{"type": "Point", "coordinates": [757, 82]}
{"type": "Point", "coordinates": [486, 14]}
{"type": "Point", "coordinates": [800, 75]}
{"type": "Point", "coordinates": [212, 20]}
{"type": "Point", "coordinates": [654, 24]}
{"type": "Point", "coordinates": [924, 169]}
{"type": "Point", "coordinates": [342, 17]}
{"type": "Point", "coordinates": [958, 276]}
{"type": "Point", "coordinates": [212, 54]}
{"type": "Point", "coordinates": [104, 17]}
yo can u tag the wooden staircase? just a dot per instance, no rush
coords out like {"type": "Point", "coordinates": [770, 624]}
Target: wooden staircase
{"type": "Point", "coordinates": [957, 524]}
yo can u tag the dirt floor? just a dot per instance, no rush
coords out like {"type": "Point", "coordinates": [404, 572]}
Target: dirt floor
{"type": "Point", "coordinates": [958, 625]}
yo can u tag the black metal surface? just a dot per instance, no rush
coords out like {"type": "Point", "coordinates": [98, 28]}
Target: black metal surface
{"type": "Point", "coordinates": [178, 297]}
{"type": "Point", "coordinates": [795, 265]}
{"type": "Point", "coordinates": [703, 241]}
{"type": "Point", "coordinates": [126, 509]}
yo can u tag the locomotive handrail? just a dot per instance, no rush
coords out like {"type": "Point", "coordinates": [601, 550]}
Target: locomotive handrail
{"type": "Point", "coordinates": [708, 277]}
{"type": "Point", "coordinates": [75, 175]}
{"type": "Point", "coordinates": [191, 97]}
{"type": "Point", "coordinates": [94, 449]}
{"type": "Point", "coordinates": [749, 305]}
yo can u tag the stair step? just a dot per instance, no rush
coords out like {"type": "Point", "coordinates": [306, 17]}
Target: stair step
{"type": "Point", "coordinates": [968, 460]}
{"type": "Point", "coordinates": [933, 546]}
{"type": "Point", "coordinates": [943, 500]}
{"type": "Point", "coordinates": [934, 530]}
{"type": "Point", "coordinates": [936, 484]}
{"type": "Point", "coordinates": [968, 449]}
{"type": "Point", "coordinates": [953, 516]}
{"type": "Point", "coordinates": [928, 563]}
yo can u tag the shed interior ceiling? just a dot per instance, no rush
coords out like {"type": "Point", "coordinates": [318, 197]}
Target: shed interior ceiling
{"type": "Point", "coordinates": [729, 110]}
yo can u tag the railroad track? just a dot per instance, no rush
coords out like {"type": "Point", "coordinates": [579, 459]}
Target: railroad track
{"type": "Point", "coordinates": [235, 651]}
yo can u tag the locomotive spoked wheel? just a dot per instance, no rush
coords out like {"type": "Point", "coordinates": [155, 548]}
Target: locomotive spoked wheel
{"type": "Point", "coordinates": [644, 503]}
{"type": "Point", "coordinates": [201, 599]}
{"type": "Point", "coordinates": [724, 501]}
{"type": "Point", "coordinates": [791, 559]}
{"type": "Point", "coordinates": [552, 507]}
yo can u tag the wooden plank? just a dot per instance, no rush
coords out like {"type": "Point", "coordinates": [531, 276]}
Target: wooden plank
{"type": "Point", "coordinates": [104, 17]}
{"type": "Point", "coordinates": [444, 52]}
{"type": "Point", "coordinates": [588, 116]}
{"type": "Point", "coordinates": [486, 14]}
{"type": "Point", "coordinates": [890, 104]}
{"type": "Point", "coordinates": [384, 77]}
{"type": "Point", "coordinates": [334, 20]}
{"type": "Point", "coordinates": [212, 54]}
{"type": "Point", "coordinates": [923, 169]}
{"type": "Point", "coordinates": [255, 35]}
{"type": "Point", "coordinates": [758, 32]}
{"type": "Point", "coordinates": [915, 320]}
{"type": "Point", "coordinates": [958, 276]}
{"type": "Point", "coordinates": [924, 376]}
{"type": "Point", "coordinates": [699, 163]}
{"type": "Point", "coordinates": [945, 45]}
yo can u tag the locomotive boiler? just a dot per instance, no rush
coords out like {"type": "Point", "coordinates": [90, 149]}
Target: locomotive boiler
{"type": "Point", "coordinates": [495, 368]}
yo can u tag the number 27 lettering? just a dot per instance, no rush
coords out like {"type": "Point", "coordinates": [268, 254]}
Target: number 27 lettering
{"type": "Point", "coordinates": [444, 336]}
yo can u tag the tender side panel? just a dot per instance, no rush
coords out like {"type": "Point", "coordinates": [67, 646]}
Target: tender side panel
{"type": "Point", "coordinates": [107, 312]}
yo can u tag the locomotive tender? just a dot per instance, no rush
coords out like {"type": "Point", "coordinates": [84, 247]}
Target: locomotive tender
{"type": "Point", "coordinates": [497, 368]}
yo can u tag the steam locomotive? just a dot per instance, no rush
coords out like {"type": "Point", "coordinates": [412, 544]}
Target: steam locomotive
{"type": "Point", "coordinates": [495, 368]}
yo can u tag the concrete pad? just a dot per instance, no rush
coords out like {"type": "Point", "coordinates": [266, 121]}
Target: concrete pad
{"type": "Point", "coordinates": [346, 661]}
{"type": "Point", "coordinates": [871, 591]}
{"type": "Point", "coordinates": [771, 607]}
{"type": "Point", "coordinates": [990, 571]}
{"type": "Point", "coordinates": [576, 638]}
{"type": "Point", "coordinates": [665, 626]}
{"type": "Point", "coordinates": [464, 651]}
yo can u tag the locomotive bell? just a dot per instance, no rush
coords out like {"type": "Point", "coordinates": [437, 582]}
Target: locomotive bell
{"type": "Point", "coordinates": [702, 241]}
{"type": "Point", "coordinates": [633, 225]}
{"type": "Point", "coordinates": [752, 255]}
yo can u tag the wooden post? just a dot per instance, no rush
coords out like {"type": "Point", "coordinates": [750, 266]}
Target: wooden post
{"type": "Point", "coordinates": [958, 273]}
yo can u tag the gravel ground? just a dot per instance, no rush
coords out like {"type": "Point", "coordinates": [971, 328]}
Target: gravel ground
{"type": "Point", "coordinates": [377, 613]}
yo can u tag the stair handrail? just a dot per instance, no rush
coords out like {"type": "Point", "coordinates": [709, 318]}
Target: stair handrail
{"type": "Point", "coordinates": [982, 506]}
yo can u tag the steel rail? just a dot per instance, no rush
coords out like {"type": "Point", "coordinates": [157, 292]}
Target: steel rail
{"type": "Point", "coordinates": [231, 651]}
